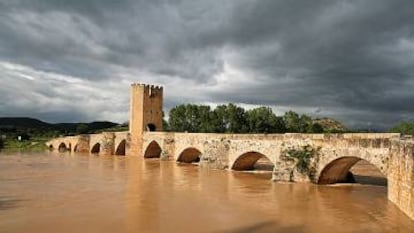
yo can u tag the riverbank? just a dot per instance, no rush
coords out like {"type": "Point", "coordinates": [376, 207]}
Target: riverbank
{"type": "Point", "coordinates": [32, 145]}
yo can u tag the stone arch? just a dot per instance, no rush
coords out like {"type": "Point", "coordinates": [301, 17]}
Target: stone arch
{"type": "Point", "coordinates": [153, 150]}
{"type": "Point", "coordinates": [75, 149]}
{"type": "Point", "coordinates": [50, 147]}
{"type": "Point", "coordinates": [189, 155]}
{"type": "Point", "coordinates": [338, 170]}
{"type": "Point", "coordinates": [62, 147]}
{"type": "Point", "coordinates": [120, 149]}
{"type": "Point", "coordinates": [96, 148]}
{"type": "Point", "coordinates": [248, 160]}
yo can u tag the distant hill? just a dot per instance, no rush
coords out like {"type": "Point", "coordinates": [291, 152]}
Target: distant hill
{"type": "Point", "coordinates": [12, 126]}
{"type": "Point", "coordinates": [330, 125]}
{"type": "Point", "coordinates": [89, 127]}
{"type": "Point", "coordinates": [23, 122]}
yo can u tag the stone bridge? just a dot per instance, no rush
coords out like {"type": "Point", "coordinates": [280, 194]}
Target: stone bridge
{"type": "Point", "coordinates": [316, 158]}
{"type": "Point", "coordinates": [107, 143]}
{"type": "Point", "coordinates": [335, 154]}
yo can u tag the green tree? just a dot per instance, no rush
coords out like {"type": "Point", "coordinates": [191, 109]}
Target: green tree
{"type": "Point", "coordinates": [205, 119]}
{"type": "Point", "coordinates": [201, 118]}
{"type": "Point", "coordinates": [291, 120]}
{"type": "Point", "coordinates": [220, 119]}
{"type": "Point", "coordinates": [82, 129]}
{"type": "Point", "coordinates": [305, 124]}
{"type": "Point", "coordinates": [230, 119]}
{"type": "Point", "coordinates": [191, 118]}
{"type": "Point", "coordinates": [404, 128]}
{"type": "Point", "coordinates": [299, 124]}
{"type": "Point", "coordinates": [177, 121]}
{"type": "Point", "coordinates": [165, 125]}
{"type": "Point", "coordinates": [263, 120]}
{"type": "Point", "coordinates": [317, 128]}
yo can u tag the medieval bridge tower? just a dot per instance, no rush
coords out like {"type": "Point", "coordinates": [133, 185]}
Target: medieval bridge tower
{"type": "Point", "coordinates": [145, 114]}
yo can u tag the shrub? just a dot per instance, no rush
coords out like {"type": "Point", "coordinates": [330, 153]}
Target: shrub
{"type": "Point", "coordinates": [303, 158]}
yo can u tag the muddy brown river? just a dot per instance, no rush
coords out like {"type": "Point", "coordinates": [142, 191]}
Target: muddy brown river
{"type": "Point", "coordinates": [53, 192]}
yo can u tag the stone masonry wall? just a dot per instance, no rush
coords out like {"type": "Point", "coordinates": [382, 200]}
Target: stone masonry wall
{"type": "Point", "coordinates": [401, 176]}
{"type": "Point", "coordinates": [82, 145]}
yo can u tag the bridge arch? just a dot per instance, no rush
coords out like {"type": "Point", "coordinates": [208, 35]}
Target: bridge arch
{"type": "Point", "coordinates": [339, 170]}
{"type": "Point", "coordinates": [62, 147]}
{"type": "Point", "coordinates": [96, 148]}
{"type": "Point", "coordinates": [189, 155]}
{"type": "Point", "coordinates": [153, 150]}
{"type": "Point", "coordinates": [248, 160]}
{"type": "Point", "coordinates": [120, 149]}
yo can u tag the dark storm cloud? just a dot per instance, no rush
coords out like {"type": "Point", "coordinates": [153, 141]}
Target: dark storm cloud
{"type": "Point", "coordinates": [352, 60]}
{"type": "Point", "coordinates": [355, 55]}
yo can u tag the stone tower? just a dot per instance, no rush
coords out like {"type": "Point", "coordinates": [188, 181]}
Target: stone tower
{"type": "Point", "coordinates": [145, 114]}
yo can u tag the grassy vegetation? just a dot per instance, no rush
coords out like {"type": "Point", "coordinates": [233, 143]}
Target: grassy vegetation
{"type": "Point", "coordinates": [118, 128]}
{"type": "Point", "coordinates": [34, 144]}
{"type": "Point", "coordinates": [303, 157]}
{"type": "Point", "coordinates": [34, 133]}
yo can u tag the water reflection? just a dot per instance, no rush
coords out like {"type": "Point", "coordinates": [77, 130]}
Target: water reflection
{"type": "Point", "coordinates": [82, 193]}
{"type": "Point", "coordinates": [8, 202]}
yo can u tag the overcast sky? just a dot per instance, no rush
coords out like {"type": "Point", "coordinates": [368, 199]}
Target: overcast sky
{"type": "Point", "coordinates": [70, 61]}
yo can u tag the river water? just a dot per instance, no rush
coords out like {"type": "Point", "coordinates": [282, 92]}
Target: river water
{"type": "Point", "coordinates": [53, 192]}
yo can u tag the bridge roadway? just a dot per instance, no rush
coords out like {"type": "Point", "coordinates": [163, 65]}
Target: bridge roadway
{"type": "Point", "coordinates": [333, 156]}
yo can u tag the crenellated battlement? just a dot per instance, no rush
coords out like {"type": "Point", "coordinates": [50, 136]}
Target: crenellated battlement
{"type": "Point", "coordinates": [147, 86]}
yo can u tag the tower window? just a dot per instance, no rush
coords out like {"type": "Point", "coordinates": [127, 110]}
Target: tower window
{"type": "Point", "coordinates": [151, 127]}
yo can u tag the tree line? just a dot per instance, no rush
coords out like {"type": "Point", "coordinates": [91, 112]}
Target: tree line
{"type": "Point", "coordinates": [404, 128]}
{"type": "Point", "coordinates": [231, 118]}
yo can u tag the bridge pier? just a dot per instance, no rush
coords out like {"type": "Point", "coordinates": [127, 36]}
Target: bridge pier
{"type": "Point", "coordinates": [107, 143]}
{"type": "Point", "coordinates": [215, 155]}
{"type": "Point", "coordinates": [283, 172]}
{"type": "Point", "coordinates": [401, 176]}
{"type": "Point", "coordinates": [82, 145]}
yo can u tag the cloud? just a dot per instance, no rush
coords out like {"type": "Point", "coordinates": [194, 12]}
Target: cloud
{"type": "Point", "coordinates": [55, 97]}
{"type": "Point", "coordinates": [351, 60]}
